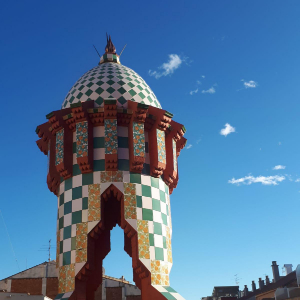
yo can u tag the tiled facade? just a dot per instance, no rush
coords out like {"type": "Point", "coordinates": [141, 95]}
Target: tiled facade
{"type": "Point", "coordinates": [82, 139]}
{"type": "Point", "coordinates": [111, 136]}
{"type": "Point", "coordinates": [138, 139]}
{"type": "Point", "coordinates": [174, 155]}
{"type": "Point", "coordinates": [59, 147]}
{"type": "Point", "coordinates": [111, 80]}
{"type": "Point", "coordinates": [146, 202]}
{"type": "Point", "coordinates": [109, 107]}
{"type": "Point", "coordinates": [161, 146]}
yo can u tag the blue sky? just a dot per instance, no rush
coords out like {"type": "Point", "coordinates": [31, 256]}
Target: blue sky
{"type": "Point", "coordinates": [210, 63]}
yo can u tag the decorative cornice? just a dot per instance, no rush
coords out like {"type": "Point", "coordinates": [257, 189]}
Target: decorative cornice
{"type": "Point", "coordinates": [152, 118]}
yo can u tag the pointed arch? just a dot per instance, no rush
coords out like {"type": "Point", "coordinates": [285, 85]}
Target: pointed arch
{"type": "Point", "coordinates": [89, 277]}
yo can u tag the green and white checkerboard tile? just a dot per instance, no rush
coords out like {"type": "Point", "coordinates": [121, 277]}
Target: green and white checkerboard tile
{"type": "Point", "coordinates": [153, 205]}
{"type": "Point", "coordinates": [64, 296]}
{"type": "Point", "coordinates": [99, 150]}
{"type": "Point", "coordinates": [111, 80]}
{"type": "Point", "coordinates": [152, 197]}
{"type": "Point", "coordinates": [168, 292]}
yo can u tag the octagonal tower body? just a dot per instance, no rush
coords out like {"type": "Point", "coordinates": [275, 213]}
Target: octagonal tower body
{"type": "Point", "coordinates": [112, 141]}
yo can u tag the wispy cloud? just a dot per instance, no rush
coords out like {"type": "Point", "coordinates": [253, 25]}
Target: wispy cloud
{"type": "Point", "coordinates": [265, 180]}
{"type": "Point", "coordinates": [212, 90]}
{"type": "Point", "coordinates": [203, 76]}
{"type": "Point", "coordinates": [250, 84]}
{"type": "Point", "coordinates": [194, 92]}
{"type": "Point", "coordinates": [189, 146]}
{"type": "Point", "coordinates": [297, 180]}
{"type": "Point", "coordinates": [227, 130]}
{"type": "Point", "coordinates": [279, 167]}
{"type": "Point", "coordinates": [198, 82]}
{"type": "Point", "coordinates": [279, 143]}
{"type": "Point", "coordinates": [169, 67]}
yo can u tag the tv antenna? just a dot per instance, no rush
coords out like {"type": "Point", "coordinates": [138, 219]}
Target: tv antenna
{"type": "Point", "coordinates": [237, 279]}
{"type": "Point", "coordinates": [48, 249]}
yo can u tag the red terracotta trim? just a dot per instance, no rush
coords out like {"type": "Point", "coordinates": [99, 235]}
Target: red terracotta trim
{"type": "Point", "coordinates": [152, 117]}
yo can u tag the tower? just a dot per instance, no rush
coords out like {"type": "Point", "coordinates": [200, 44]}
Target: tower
{"type": "Point", "coordinates": [112, 159]}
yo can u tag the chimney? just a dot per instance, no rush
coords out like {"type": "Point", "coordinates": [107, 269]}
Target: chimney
{"type": "Point", "coordinates": [245, 291]}
{"type": "Point", "coordinates": [275, 271]}
{"type": "Point", "coordinates": [253, 286]}
{"type": "Point", "coordinates": [288, 268]}
{"type": "Point", "coordinates": [267, 280]}
{"type": "Point", "coordinates": [261, 283]}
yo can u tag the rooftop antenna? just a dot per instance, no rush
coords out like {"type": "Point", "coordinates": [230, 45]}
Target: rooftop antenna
{"type": "Point", "coordinates": [49, 259]}
{"type": "Point", "coordinates": [48, 249]}
{"type": "Point", "coordinates": [122, 50]}
{"type": "Point", "coordinates": [237, 279]}
{"type": "Point", "coordinates": [97, 51]}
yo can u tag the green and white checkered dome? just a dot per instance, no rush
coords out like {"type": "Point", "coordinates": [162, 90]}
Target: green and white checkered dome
{"type": "Point", "coordinates": [111, 80]}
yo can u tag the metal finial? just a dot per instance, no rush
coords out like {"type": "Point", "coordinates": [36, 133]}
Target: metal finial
{"type": "Point", "coordinates": [110, 48]}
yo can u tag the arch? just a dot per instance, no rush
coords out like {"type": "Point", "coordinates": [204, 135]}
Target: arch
{"type": "Point", "coordinates": [89, 277]}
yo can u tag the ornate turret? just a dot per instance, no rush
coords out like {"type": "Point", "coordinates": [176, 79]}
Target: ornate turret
{"type": "Point", "coordinates": [112, 154]}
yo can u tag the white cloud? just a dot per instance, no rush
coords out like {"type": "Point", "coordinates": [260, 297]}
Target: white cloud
{"type": "Point", "coordinates": [189, 146]}
{"type": "Point", "coordinates": [279, 167]}
{"type": "Point", "coordinates": [203, 76]}
{"type": "Point", "coordinates": [169, 67]}
{"type": "Point", "coordinates": [194, 92]}
{"type": "Point", "coordinates": [265, 180]}
{"type": "Point", "coordinates": [297, 180]}
{"type": "Point", "coordinates": [212, 90]}
{"type": "Point", "coordinates": [250, 84]}
{"type": "Point", "coordinates": [198, 82]}
{"type": "Point", "coordinates": [227, 130]}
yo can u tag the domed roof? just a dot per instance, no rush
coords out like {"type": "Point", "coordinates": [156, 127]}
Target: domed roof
{"type": "Point", "coordinates": [111, 80]}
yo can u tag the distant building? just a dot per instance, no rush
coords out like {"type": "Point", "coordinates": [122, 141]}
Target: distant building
{"type": "Point", "coordinates": [223, 293]}
{"type": "Point", "coordinates": [266, 289]}
{"type": "Point", "coordinates": [280, 288]}
{"type": "Point", "coordinates": [41, 283]}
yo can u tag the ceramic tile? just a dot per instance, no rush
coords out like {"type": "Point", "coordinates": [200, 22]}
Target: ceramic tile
{"type": "Point", "coordinates": [82, 139]}
{"type": "Point", "coordinates": [59, 147]}
{"type": "Point", "coordinates": [174, 155]}
{"type": "Point", "coordinates": [111, 137]}
{"type": "Point", "coordinates": [138, 139]}
{"type": "Point", "coordinates": [161, 148]}
{"type": "Point", "coordinates": [143, 239]}
{"type": "Point", "coordinates": [94, 203]}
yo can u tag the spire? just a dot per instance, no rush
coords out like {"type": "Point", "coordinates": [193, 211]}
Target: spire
{"type": "Point", "coordinates": [110, 54]}
{"type": "Point", "coordinates": [110, 47]}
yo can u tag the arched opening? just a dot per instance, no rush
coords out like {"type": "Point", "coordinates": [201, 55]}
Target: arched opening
{"type": "Point", "coordinates": [117, 263]}
{"type": "Point", "coordinates": [89, 278]}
